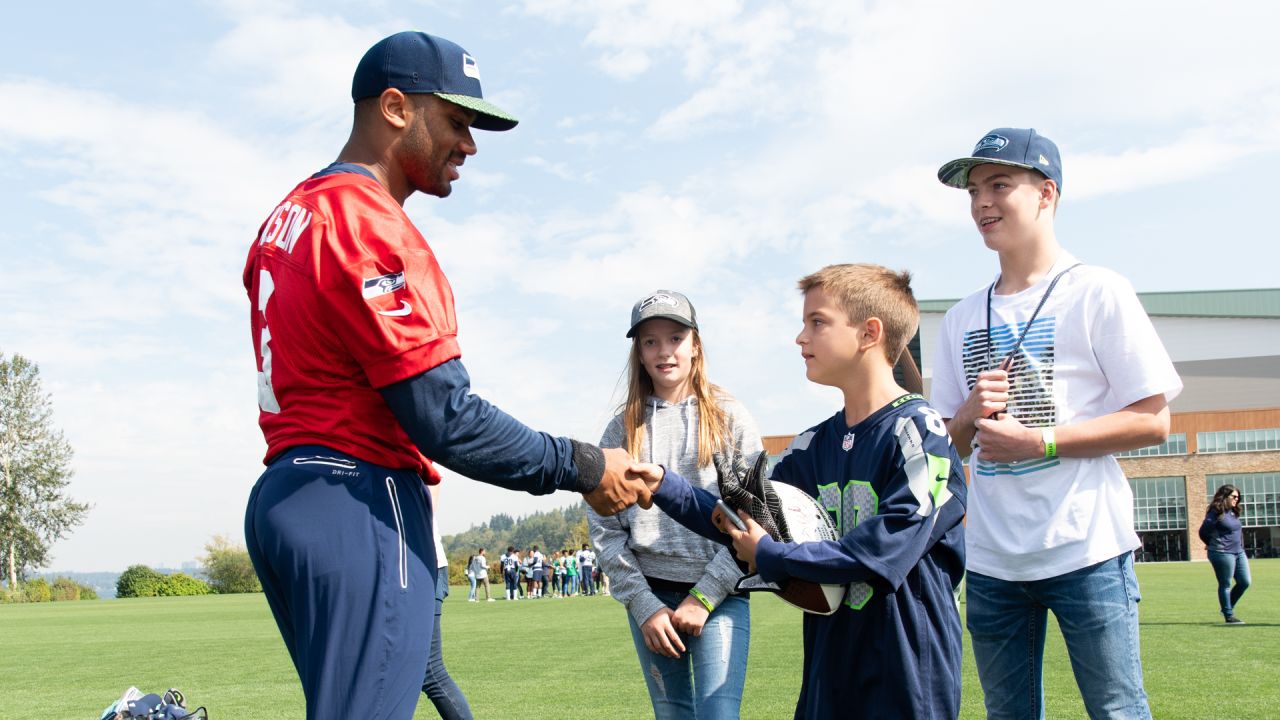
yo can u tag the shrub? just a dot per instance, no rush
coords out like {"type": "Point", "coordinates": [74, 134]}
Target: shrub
{"type": "Point", "coordinates": [65, 589]}
{"type": "Point", "coordinates": [139, 581]}
{"type": "Point", "coordinates": [179, 584]}
{"type": "Point", "coordinates": [228, 567]}
{"type": "Point", "coordinates": [37, 590]}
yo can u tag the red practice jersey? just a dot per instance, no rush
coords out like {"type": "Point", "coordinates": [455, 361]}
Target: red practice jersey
{"type": "Point", "coordinates": [346, 297]}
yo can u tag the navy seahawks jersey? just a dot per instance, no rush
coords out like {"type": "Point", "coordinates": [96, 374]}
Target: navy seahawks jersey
{"type": "Point", "coordinates": [896, 490]}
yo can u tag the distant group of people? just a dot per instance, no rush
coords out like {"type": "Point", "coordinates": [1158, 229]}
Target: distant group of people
{"type": "Point", "coordinates": [565, 573]}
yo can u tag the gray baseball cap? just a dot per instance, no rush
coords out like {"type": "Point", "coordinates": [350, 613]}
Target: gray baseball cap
{"type": "Point", "coordinates": [667, 304]}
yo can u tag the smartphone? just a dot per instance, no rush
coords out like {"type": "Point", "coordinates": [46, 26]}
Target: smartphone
{"type": "Point", "coordinates": [732, 515]}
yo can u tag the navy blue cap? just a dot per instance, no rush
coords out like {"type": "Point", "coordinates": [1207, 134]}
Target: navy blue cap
{"type": "Point", "coordinates": [415, 62]}
{"type": "Point", "coordinates": [1018, 147]}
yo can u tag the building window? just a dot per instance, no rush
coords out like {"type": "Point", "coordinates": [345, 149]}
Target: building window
{"type": "Point", "coordinates": [1230, 441]}
{"type": "Point", "coordinates": [1175, 445]}
{"type": "Point", "coordinates": [1159, 503]}
{"type": "Point", "coordinates": [1160, 518]}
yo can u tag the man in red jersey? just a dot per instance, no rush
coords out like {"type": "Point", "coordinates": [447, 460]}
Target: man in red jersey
{"type": "Point", "coordinates": [361, 389]}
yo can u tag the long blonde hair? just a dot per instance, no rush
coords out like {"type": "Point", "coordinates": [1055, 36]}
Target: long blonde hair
{"type": "Point", "coordinates": [713, 421]}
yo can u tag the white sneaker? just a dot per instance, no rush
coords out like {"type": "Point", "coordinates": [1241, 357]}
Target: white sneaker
{"type": "Point", "coordinates": [489, 600]}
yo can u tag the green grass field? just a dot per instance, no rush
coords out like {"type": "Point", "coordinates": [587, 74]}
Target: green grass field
{"type": "Point", "coordinates": [574, 659]}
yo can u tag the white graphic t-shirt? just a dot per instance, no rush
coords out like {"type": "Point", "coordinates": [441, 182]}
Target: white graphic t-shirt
{"type": "Point", "coordinates": [1091, 351]}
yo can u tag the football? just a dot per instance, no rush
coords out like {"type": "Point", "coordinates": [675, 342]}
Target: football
{"type": "Point", "coordinates": [801, 519]}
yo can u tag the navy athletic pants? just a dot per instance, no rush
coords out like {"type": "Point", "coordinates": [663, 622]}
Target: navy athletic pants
{"type": "Point", "coordinates": [347, 563]}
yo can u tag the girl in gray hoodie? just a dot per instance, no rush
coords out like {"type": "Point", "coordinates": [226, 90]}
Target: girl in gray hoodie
{"type": "Point", "coordinates": [690, 630]}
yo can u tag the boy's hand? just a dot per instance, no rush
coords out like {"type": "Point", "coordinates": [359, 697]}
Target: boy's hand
{"type": "Point", "coordinates": [690, 616]}
{"type": "Point", "coordinates": [744, 543]}
{"type": "Point", "coordinates": [650, 473]}
{"type": "Point", "coordinates": [660, 635]}
{"type": "Point", "coordinates": [1006, 440]}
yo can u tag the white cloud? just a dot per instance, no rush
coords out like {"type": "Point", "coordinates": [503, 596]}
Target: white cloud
{"type": "Point", "coordinates": [300, 65]}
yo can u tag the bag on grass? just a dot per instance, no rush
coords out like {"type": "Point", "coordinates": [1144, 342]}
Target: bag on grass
{"type": "Point", "coordinates": [170, 706]}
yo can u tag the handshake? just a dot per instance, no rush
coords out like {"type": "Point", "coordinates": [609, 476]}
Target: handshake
{"type": "Point", "coordinates": [624, 483]}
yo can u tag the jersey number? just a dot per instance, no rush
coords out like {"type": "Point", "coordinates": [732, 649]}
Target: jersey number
{"type": "Point", "coordinates": [855, 501]}
{"type": "Point", "coordinates": [933, 420]}
{"type": "Point", "coordinates": [266, 395]}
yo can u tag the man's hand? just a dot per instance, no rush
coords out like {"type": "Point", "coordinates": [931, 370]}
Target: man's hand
{"type": "Point", "coordinates": [617, 491]}
{"type": "Point", "coordinates": [1006, 440]}
{"type": "Point", "coordinates": [744, 543]}
{"type": "Point", "coordinates": [660, 635]}
{"type": "Point", "coordinates": [690, 616]}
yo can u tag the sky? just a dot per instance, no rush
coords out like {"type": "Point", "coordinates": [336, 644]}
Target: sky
{"type": "Point", "coordinates": [723, 149]}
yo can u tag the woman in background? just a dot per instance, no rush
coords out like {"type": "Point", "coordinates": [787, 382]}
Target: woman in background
{"type": "Point", "coordinates": [1223, 537]}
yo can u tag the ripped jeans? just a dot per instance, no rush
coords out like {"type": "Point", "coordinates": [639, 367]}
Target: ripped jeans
{"type": "Point", "coordinates": [706, 682]}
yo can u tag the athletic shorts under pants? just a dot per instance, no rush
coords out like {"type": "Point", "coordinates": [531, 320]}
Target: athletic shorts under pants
{"type": "Point", "coordinates": [344, 552]}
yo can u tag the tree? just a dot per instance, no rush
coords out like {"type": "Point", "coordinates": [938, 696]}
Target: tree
{"type": "Point", "coordinates": [139, 581]}
{"type": "Point", "coordinates": [35, 469]}
{"type": "Point", "coordinates": [228, 567]}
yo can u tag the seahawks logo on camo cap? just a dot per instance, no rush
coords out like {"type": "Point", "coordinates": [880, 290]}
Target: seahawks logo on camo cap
{"type": "Point", "coordinates": [993, 142]}
{"type": "Point", "coordinates": [1016, 147]}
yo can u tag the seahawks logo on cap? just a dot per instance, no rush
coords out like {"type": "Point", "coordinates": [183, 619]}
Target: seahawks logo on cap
{"type": "Point", "coordinates": [994, 143]}
{"type": "Point", "coordinates": [659, 298]}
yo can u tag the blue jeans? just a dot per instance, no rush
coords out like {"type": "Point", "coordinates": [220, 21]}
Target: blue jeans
{"type": "Point", "coordinates": [706, 682]}
{"type": "Point", "coordinates": [1227, 566]}
{"type": "Point", "coordinates": [437, 684]}
{"type": "Point", "coordinates": [1097, 611]}
{"type": "Point", "coordinates": [588, 585]}
{"type": "Point", "coordinates": [472, 594]}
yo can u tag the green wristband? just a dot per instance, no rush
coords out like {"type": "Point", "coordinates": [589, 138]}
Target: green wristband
{"type": "Point", "coordinates": [1050, 446]}
{"type": "Point", "coordinates": [702, 599]}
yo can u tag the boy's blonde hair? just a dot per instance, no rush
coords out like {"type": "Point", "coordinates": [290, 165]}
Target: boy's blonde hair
{"type": "Point", "coordinates": [713, 421]}
{"type": "Point", "coordinates": [864, 291]}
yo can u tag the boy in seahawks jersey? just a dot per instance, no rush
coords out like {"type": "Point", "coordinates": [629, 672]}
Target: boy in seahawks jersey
{"type": "Point", "coordinates": [884, 468]}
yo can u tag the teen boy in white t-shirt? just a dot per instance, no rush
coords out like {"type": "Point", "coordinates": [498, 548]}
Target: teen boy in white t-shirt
{"type": "Point", "coordinates": [1050, 513]}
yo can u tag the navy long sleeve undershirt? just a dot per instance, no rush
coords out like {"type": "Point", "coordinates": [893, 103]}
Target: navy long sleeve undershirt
{"type": "Point", "coordinates": [467, 434]}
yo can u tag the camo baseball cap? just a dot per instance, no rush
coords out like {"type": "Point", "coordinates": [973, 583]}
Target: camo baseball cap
{"type": "Point", "coordinates": [1017, 147]}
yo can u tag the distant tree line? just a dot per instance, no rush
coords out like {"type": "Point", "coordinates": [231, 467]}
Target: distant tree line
{"type": "Point", "coordinates": [552, 530]}
{"type": "Point", "coordinates": [41, 590]}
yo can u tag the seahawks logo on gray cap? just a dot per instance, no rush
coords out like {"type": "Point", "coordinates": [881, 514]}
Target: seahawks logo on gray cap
{"type": "Point", "coordinates": [663, 298]}
{"type": "Point", "coordinates": [994, 143]}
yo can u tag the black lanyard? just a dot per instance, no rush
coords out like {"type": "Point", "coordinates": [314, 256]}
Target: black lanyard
{"type": "Point", "coordinates": [1008, 360]}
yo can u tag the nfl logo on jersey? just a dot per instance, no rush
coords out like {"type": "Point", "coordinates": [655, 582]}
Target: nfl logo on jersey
{"type": "Point", "coordinates": [848, 442]}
